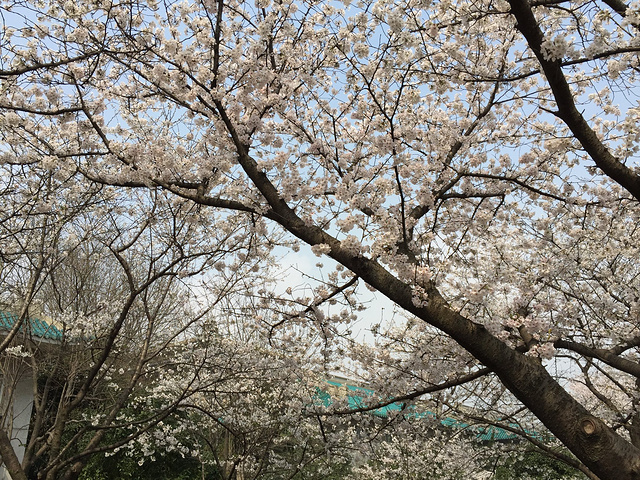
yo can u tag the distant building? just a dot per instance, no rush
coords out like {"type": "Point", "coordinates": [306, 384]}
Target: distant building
{"type": "Point", "coordinates": [17, 383]}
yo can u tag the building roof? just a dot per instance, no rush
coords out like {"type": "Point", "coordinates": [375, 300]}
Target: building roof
{"type": "Point", "coordinates": [36, 327]}
{"type": "Point", "coordinates": [357, 398]}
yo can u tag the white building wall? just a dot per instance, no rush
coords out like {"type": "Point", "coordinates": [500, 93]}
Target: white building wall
{"type": "Point", "coordinates": [17, 404]}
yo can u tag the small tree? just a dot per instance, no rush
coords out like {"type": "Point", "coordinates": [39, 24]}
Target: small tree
{"type": "Point", "coordinates": [116, 284]}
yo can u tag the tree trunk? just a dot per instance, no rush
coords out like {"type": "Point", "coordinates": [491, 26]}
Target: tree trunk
{"type": "Point", "coordinates": [9, 457]}
{"type": "Point", "coordinates": [601, 449]}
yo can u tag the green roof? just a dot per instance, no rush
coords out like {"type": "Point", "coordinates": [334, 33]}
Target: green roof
{"type": "Point", "coordinates": [356, 399]}
{"type": "Point", "coordinates": [36, 327]}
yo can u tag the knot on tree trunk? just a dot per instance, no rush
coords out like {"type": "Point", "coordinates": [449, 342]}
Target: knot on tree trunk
{"type": "Point", "coordinates": [594, 437]}
{"type": "Point", "coordinates": [606, 451]}
{"type": "Point", "coordinates": [589, 426]}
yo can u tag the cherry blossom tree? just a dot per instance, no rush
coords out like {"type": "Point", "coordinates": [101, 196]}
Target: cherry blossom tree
{"type": "Point", "coordinates": [249, 414]}
{"type": "Point", "coordinates": [473, 161]}
{"type": "Point", "coordinates": [259, 419]}
{"type": "Point", "coordinates": [121, 280]}
{"type": "Point", "coordinates": [158, 350]}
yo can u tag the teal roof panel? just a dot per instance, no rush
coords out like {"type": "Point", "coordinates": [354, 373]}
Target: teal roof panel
{"type": "Point", "coordinates": [355, 401]}
{"type": "Point", "coordinates": [38, 328]}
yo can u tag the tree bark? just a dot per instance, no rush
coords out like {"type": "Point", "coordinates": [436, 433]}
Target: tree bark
{"type": "Point", "coordinates": [9, 457]}
{"type": "Point", "coordinates": [601, 449]}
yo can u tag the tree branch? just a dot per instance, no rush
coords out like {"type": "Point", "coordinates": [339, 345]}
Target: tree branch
{"type": "Point", "coordinates": [9, 457]}
{"type": "Point", "coordinates": [567, 111]}
{"type": "Point", "coordinates": [418, 393]}
{"type": "Point", "coordinates": [602, 354]}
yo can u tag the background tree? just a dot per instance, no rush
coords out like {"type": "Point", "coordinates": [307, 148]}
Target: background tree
{"type": "Point", "coordinates": [252, 413]}
{"type": "Point", "coordinates": [119, 278]}
{"type": "Point", "coordinates": [475, 162]}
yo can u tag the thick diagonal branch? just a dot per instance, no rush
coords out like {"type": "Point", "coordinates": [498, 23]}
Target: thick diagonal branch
{"type": "Point", "coordinates": [567, 111]}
